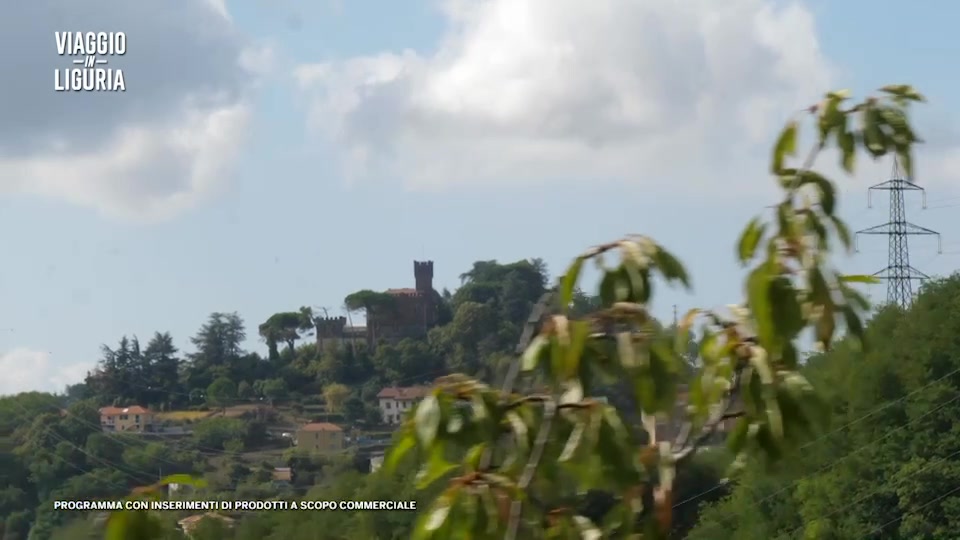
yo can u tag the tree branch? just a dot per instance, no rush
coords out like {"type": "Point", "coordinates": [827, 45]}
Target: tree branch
{"type": "Point", "coordinates": [525, 338]}
{"type": "Point", "coordinates": [686, 448]}
{"type": "Point", "coordinates": [549, 412]}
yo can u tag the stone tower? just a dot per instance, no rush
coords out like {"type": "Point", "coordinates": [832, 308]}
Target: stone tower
{"type": "Point", "coordinates": [423, 274]}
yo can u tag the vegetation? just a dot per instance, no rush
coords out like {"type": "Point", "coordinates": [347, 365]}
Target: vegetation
{"type": "Point", "coordinates": [542, 456]}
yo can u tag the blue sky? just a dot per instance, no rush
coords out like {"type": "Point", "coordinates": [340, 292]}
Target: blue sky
{"type": "Point", "coordinates": [338, 177]}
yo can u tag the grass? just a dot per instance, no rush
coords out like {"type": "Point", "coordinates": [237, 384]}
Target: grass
{"type": "Point", "coordinates": [181, 416]}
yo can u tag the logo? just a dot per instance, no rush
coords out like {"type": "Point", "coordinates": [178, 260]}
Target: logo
{"type": "Point", "coordinates": [90, 71]}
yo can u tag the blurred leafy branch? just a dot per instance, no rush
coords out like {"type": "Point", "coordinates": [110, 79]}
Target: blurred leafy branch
{"type": "Point", "coordinates": [518, 464]}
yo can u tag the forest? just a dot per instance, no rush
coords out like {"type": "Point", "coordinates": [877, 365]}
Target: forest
{"type": "Point", "coordinates": [48, 454]}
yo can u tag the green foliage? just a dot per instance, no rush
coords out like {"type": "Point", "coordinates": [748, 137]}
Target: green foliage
{"type": "Point", "coordinates": [369, 300]}
{"type": "Point", "coordinates": [890, 469]}
{"type": "Point", "coordinates": [520, 464]}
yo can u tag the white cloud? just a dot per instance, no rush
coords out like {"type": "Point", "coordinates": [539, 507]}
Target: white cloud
{"type": "Point", "coordinates": [145, 154]}
{"type": "Point", "coordinates": [26, 370]}
{"type": "Point", "coordinates": [535, 90]}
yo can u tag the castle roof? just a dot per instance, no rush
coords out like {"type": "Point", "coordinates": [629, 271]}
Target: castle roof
{"type": "Point", "coordinates": [403, 292]}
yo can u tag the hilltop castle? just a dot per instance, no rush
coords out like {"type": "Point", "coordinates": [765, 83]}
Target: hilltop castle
{"type": "Point", "coordinates": [414, 311]}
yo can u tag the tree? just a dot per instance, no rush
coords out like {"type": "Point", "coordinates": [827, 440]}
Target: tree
{"type": "Point", "coordinates": [889, 468]}
{"type": "Point", "coordinates": [520, 465]}
{"type": "Point", "coordinates": [272, 389]}
{"type": "Point", "coordinates": [285, 327]}
{"type": "Point", "coordinates": [221, 393]}
{"type": "Point", "coordinates": [244, 390]}
{"type": "Point", "coordinates": [334, 395]}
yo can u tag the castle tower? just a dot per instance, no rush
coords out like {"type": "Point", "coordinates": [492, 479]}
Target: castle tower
{"type": "Point", "coordinates": [423, 273]}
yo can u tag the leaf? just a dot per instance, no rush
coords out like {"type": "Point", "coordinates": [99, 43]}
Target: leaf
{"type": "Point", "coordinates": [758, 293]}
{"type": "Point", "coordinates": [828, 195]}
{"type": "Point", "coordinates": [859, 278]}
{"type": "Point", "coordinates": [588, 531]}
{"type": "Point", "coordinates": [738, 436]}
{"type": "Point", "coordinates": [873, 138]}
{"type": "Point", "coordinates": [786, 311]}
{"type": "Point", "coordinates": [434, 469]}
{"type": "Point", "coordinates": [531, 356]}
{"type": "Point", "coordinates": [855, 297]}
{"type": "Point", "coordinates": [774, 418]}
{"type": "Point", "coordinates": [826, 325]}
{"type": "Point", "coordinates": [786, 147]}
{"type": "Point", "coordinates": [750, 239]}
{"type": "Point", "coordinates": [438, 514]}
{"type": "Point", "coordinates": [904, 91]}
{"type": "Point", "coordinates": [573, 393]}
{"type": "Point", "coordinates": [854, 324]}
{"type": "Point", "coordinates": [569, 283]}
{"type": "Point", "coordinates": [842, 232]}
{"type": "Point", "coordinates": [608, 288]}
{"type": "Point", "coordinates": [398, 451]}
{"type": "Point", "coordinates": [626, 350]}
{"type": "Point", "coordinates": [427, 419]}
{"type": "Point", "coordinates": [848, 151]}
{"type": "Point", "coordinates": [579, 332]}
{"type": "Point", "coordinates": [573, 442]}
{"type": "Point", "coordinates": [118, 525]}
{"type": "Point", "coordinates": [831, 117]}
{"type": "Point", "coordinates": [475, 454]}
{"type": "Point", "coordinates": [671, 267]}
{"type": "Point", "coordinates": [906, 162]}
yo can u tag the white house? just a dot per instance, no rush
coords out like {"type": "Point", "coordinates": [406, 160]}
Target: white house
{"type": "Point", "coordinates": [395, 402]}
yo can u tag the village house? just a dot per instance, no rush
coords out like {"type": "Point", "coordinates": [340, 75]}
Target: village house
{"type": "Point", "coordinates": [395, 402]}
{"type": "Point", "coordinates": [320, 437]}
{"type": "Point", "coordinates": [282, 475]}
{"type": "Point", "coordinates": [134, 418]}
{"type": "Point", "coordinates": [376, 461]}
{"type": "Point", "coordinates": [668, 428]}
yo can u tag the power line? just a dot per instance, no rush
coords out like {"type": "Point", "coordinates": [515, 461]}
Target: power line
{"type": "Point", "coordinates": [905, 514]}
{"type": "Point", "coordinates": [898, 272]}
{"type": "Point", "coordinates": [831, 433]}
{"type": "Point", "coordinates": [878, 489]}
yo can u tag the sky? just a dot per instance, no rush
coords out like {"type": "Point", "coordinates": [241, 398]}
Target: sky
{"type": "Point", "coordinates": [272, 154]}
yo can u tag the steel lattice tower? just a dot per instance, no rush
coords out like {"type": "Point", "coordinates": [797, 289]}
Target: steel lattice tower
{"type": "Point", "coordinates": [898, 272]}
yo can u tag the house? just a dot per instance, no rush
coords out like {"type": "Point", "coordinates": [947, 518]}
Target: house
{"type": "Point", "coordinates": [320, 437]}
{"type": "Point", "coordinates": [188, 524]}
{"type": "Point", "coordinates": [282, 475]}
{"type": "Point", "coordinates": [669, 428]}
{"type": "Point", "coordinates": [134, 418]}
{"type": "Point", "coordinates": [395, 402]}
{"type": "Point", "coordinates": [376, 461]}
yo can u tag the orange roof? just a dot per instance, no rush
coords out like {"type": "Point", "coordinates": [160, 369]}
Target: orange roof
{"type": "Point", "coordinates": [403, 393]}
{"type": "Point", "coordinates": [320, 426]}
{"type": "Point", "coordinates": [402, 292]}
{"type": "Point", "coordinates": [113, 411]}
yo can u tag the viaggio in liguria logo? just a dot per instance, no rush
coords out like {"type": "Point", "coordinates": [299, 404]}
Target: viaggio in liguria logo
{"type": "Point", "coordinates": [90, 54]}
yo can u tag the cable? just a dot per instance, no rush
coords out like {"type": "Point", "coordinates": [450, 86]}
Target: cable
{"type": "Point", "coordinates": [905, 514]}
{"type": "Point", "coordinates": [822, 437]}
{"type": "Point", "coordinates": [874, 492]}
{"type": "Point", "coordinates": [50, 431]}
